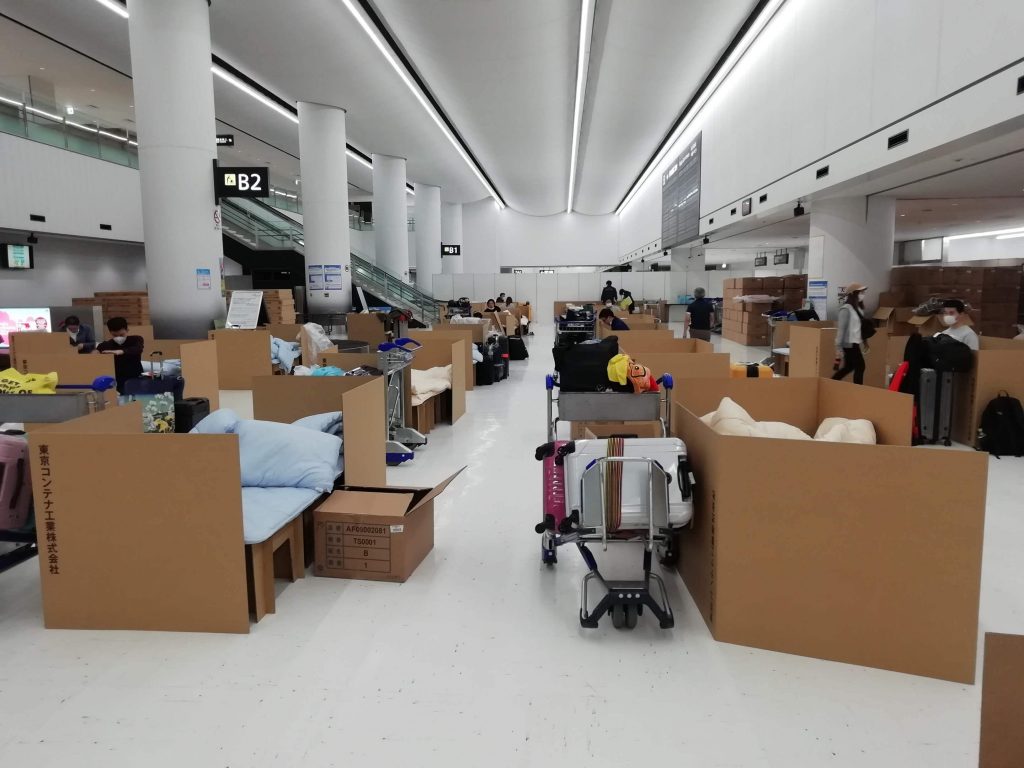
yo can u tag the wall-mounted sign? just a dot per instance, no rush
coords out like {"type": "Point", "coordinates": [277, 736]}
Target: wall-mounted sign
{"type": "Point", "coordinates": [204, 279]}
{"type": "Point", "coordinates": [225, 139]}
{"type": "Point", "coordinates": [747, 204]}
{"type": "Point", "coordinates": [451, 250]}
{"type": "Point", "coordinates": [240, 182]}
{"type": "Point", "coordinates": [781, 258]}
{"type": "Point", "coordinates": [332, 277]}
{"type": "Point", "coordinates": [680, 197]}
{"type": "Point", "coordinates": [315, 277]}
{"type": "Point", "coordinates": [760, 261]}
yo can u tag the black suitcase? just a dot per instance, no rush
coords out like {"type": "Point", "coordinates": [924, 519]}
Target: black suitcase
{"type": "Point", "coordinates": [935, 406]}
{"type": "Point", "coordinates": [517, 348]}
{"type": "Point", "coordinates": [502, 355]}
{"type": "Point", "coordinates": [485, 369]}
{"type": "Point", "coordinates": [190, 411]}
{"type": "Point", "coordinates": [584, 367]}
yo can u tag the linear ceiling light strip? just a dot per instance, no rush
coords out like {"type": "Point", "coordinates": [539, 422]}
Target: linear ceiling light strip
{"type": "Point", "coordinates": [253, 89]}
{"type": "Point", "coordinates": [373, 29]}
{"type": "Point", "coordinates": [582, 66]}
{"type": "Point", "coordinates": [758, 19]}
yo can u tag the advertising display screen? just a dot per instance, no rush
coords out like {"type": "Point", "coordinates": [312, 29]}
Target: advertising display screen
{"type": "Point", "coordinates": [18, 256]}
{"type": "Point", "coordinates": [22, 319]}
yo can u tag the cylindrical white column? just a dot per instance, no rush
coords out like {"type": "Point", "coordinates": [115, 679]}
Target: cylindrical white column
{"type": "Point", "coordinates": [390, 216]}
{"type": "Point", "coordinates": [451, 234]}
{"type": "Point", "coordinates": [428, 236]}
{"type": "Point", "coordinates": [170, 53]}
{"type": "Point", "coordinates": [324, 168]}
{"type": "Point", "coordinates": [858, 235]}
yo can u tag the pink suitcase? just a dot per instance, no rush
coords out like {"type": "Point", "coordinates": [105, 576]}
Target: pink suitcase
{"type": "Point", "coordinates": [15, 482]}
{"type": "Point", "coordinates": [553, 490]}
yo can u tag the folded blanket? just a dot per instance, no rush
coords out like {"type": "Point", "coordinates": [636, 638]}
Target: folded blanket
{"type": "Point", "coordinates": [731, 419]}
{"type": "Point", "coordinates": [331, 423]}
{"type": "Point", "coordinates": [426, 384]}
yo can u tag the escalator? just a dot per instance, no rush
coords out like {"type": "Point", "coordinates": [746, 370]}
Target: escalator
{"type": "Point", "coordinates": [262, 235]}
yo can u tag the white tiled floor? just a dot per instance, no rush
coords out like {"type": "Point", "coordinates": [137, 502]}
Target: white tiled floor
{"type": "Point", "coordinates": [479, 659]}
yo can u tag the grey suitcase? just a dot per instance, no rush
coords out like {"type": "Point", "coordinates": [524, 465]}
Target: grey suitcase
{"type": "Point", "coordinates": [935, 406]}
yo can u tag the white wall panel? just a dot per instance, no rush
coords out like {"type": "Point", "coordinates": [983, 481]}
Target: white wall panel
{"type": "Point", "coordinates": [74, 192]}
{"type": "Point", "coordinates": [568, 287]}
{"type": "Point", "coordinates": [463, 285]}
{"type": "Point", "coordinates": [632, 282]}
{"type": "Point", "coordinates": [906, 54]}
{"type": "Point", "coordinates": [480, 237]}
{"type": "Point", "coordinates": [591, 284]}
{"type": "Point", "coordinates": [526, 290]}
{"type": "Point", "coordinates": [483, 287]}
{"type": "Point", "coordinates": [655, 285]}
{"type": "Point", "coordinates": [559, 240]}
{"type": "Point", "coordinates": [444, 289]}
{"type": "Point", "coordinates": [505, 283]}
{"type": "Point", "coordinates": [547, 288]}
{"type": "Point", "coordinates": [975, 38]}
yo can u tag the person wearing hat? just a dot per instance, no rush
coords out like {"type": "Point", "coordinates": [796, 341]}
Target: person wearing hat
{"type": "Point", "coordinates": [852, 333]}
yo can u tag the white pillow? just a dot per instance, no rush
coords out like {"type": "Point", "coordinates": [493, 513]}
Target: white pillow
{"type": "Point", "coordinates": [838, 430]}
{"type": "Point", "coordinates": [731, 419]}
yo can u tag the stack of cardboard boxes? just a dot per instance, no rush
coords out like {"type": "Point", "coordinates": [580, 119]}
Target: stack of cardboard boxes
{"type": "Point", "coordinates": [744, 321]}
{"type": "Point", "coordinates": [994, 294]}
{"type": "Point", "coordinates": [280, 304]}
{"type": "Point", "coordinates": [133, 306]}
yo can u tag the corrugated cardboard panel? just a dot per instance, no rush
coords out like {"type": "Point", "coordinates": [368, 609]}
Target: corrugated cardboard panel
{"type": "Point", "coordinates": [1002, 702]}
{"type": "Point", "coordinates": [892, 413]}
{"type": "Point", "coordinates": [478, 329]}
{"type": "Point", "coordinates": [141, 552]}
{"type": "Point", "coordinates": [200, 371]}
{"type": "Point", "coordinates": [458, 380]}
{"type": "Point", "coordinates": [811, 351]}
{"type": "Point", "coordinates": [114, 419]}
{"type": "Point", "coordinates": [348, 360]}
{"type": "Point", "coordinates": [241, 355]}
{"type": "Point", "coordinates": [783, 330]}
{"type": "Point", "coordinates": [368, 503]}
{"type": "Point", "coordinates": [287, 398]}
{"type": "Point", "coordinates": [29, 344]}
{"type": "Point", "coordinates": [455, 334]}
{"type": "Point", "coordinates": [285, 331]}
{"type": "Point", "coordinates": [363, 407]}
{"type": "Point", "coordinates": [685, 365]}
{"type": "Point", "coordinates": [995, 370]}
{"type": "Point", "coordinates": [794, 401]}
{"type": "Point", "coordinates": [635, 342]}
{"type": "Point", "coordinates": [70, 369]}
{"type": "Point", "coordinates": [437, 490]}
{"type": "Point", "coordinates": [170, 348]}
{"type": "Point", "coordinates": [366, 327]}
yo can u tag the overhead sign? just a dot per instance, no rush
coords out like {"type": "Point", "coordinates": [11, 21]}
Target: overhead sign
{"type": "Point", "coordinates": [451, 250]}
{"type": "Point", "coordinates": [680, 197]}
{"type": "Point", "coordinates": [244, 311]}
{"type": "Point", "coordinates": [781, 258]}
{"type": "Point", "coordinates": [760, 261]}
{"type": "Point", "coordinates": [240, 182]}
{"type": "Point", "coordinates": [225, 139]}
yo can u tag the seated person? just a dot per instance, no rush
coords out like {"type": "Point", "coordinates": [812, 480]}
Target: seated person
{"type": "Point", "coordinates": [492, 307]}
{"type": "Point", "coordinates": [954, 317]}
{"type": "Point", "coordinates": [607, 316]}
{"type": "Point", "coordinates": [80, 336]}
{"type": "Point", "coordinates": [127, 351]}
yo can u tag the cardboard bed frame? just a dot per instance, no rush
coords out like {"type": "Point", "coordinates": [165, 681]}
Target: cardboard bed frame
{"type": "Point", "coordinates": [448, 406]}
{"type": "Point", "coordinates": [634, 343]}
{"type": "Point", "coordinates": [456, 333]}
{"type": "Point", "coordinates": [865, 554]}
{"type": "Point", "coordinates": [998, 366]}
{"type": "Point", "coordinates": [241, 355]}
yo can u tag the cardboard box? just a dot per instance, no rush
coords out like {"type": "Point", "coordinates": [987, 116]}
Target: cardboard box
{"type": "Point", "coordinates": [798, 282]}
{"type": "Point", "coordinates": [1002, 702]}
{"type": "Point", "coordinates": [1001, 312]}
{"type": "Point", "coordinates": [773, 286]}
{"type": "Point", "coordinates": [783, 330]}
{"type": "Point", "coordinates": [598, 430]}
{"type": "Point", "coordinates": [1000, 294]}
{"type": "Point", "coordinates": [749, 284]}
{"type": "Point", "coordinates": [782, 556]}
{"type": "Point", "coordinates": [897, 297]}
{"type": "Point", "coordinates": [793, 299]}
{"type": "Point", "coordinates": [1002, 276]}
{"type": "Point", "coordinates": [812, 352]}
{"type": "Point", "coordinates": [381, 534]}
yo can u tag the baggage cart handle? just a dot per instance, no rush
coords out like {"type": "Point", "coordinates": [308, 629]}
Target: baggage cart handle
{"type": "Point", "coordinates": [601, 463]}
{"type": "Point", "coordinates": [684, 476]}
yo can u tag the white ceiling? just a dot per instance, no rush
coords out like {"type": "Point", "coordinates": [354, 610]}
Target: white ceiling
{"type": "Point", "coordinates": [504, 73]}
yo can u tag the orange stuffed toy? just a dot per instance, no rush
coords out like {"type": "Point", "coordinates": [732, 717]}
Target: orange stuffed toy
{"type": "Point", "coordinates": [641, 378]}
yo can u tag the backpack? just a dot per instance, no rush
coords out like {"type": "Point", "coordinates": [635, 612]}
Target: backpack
{"type": "Point", "coordinates": [1001, 431]}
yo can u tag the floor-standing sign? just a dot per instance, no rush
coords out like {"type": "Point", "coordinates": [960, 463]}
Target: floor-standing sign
{"type": "Point", "coordinates": [244, 311]}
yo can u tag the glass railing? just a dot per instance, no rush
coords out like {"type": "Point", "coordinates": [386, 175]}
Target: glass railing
{"type": "Point", "coordinates": [372, 278]}
{"type": "Point", "coordinates": [78, 132]}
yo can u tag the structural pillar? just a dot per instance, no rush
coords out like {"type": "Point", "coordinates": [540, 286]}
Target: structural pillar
{"type": "Point", "coordinates": [428, 236]}
{"type": "Point", "coordinates": [856, 245]}
{"type": "Point", "coordinates": [170, 54]}
{"type": "Point", "coordinates": [324, 168]}
{"type": "Point", "coordinates": [390, 216]}
{"type": "Point", "coordinates": [451, 234]}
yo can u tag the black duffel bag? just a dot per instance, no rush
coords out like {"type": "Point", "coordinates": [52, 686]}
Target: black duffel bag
{"type": "Point", "coordinates": [584, 367]}
{"type": "Point", "coordinates": [948, 354]}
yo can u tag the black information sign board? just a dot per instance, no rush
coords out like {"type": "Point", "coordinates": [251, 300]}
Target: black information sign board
{"type": "Point", "coordinates": [680, 197]}
{"type": "Point", "coordinates": [240, 182]}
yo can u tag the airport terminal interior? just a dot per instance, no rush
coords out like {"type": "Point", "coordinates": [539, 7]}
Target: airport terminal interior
{"type": "Point", "coordinates": [465, 383]}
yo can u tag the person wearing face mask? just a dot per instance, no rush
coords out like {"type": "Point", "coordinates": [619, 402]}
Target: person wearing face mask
{"type": "Point", "coordinates": [80, 336]}
{"type": "Point", "coordinates": [954, 317]}
{"type": "Point", "coordinates": [127, 351]}
{"type": "Point", "coordinates": [852, 333]}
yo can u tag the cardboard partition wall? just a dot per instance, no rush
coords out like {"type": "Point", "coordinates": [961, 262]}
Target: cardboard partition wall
{"type": "Point", "coordinates": [348, 360]}
{"type": "Point", "coordinates": [812, 352]}
{"type": "Point", "coordinates": [998, 366]}
{"type": "Point", "coordinates": [124, 556]}
{"type": "Point", "coordinates": [241, 355]}
{"type": "Point", "coordinates": [70, 369]}
{"type": "Point", "coordinates": [783, 330]}
{"type": "Point", "coordinates": [455, 334]}
{"type": "Point", "coordinates": [200, 370]}
{"type": "Point", "coordinates": [648, 338]}
{"type": "Point", "coordinates": [479, 329]}
{"type": "Point", "coordinates": [1002, 702]}
{"type": "Point", "coordinates": [29, 344]}
{"type": "Point", "coordinates": [441, 352]}
{"type": "Point", "coordinates": [865, 554]}
{"type": "Point", "coordinates": [284, 331]}
{"type": "Point", "coordinates": [361, 400]}
{"type": "Point", "coordinates": [366, 327]}
{"type": "Point", "coordinates": [683, 367]}
{"type": "Point", "coordinates": [636, 342]}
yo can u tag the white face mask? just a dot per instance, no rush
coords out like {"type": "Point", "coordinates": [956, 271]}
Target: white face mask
{"type": "Point", "coordinates": [949, 319]}
{"type": "Point", "coordinates": [120, 339]}
{"type": "Point", "coordinates": [73, 334]}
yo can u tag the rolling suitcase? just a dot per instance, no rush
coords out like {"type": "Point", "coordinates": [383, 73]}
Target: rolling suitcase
{"type": "Point", "coordinates": [157, 395]}
{"type": "Point", "coordinates": [190, 411]}
{"type": "Point", "coordinates": [553, 501]}
{"type": "Point", "coordinates": [501, 357]}
{"type": "Point", "coordinates": [935, 408]}
{"type": "Point", "coordinates": [517, 348]}
{"type": "Point", "coordinates": [15, 482]}
{"type": "Point", "coordinates": [484, 373]}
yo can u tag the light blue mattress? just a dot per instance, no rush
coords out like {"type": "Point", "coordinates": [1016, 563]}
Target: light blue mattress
{"type": "Point", "coordinates": [266, 510]}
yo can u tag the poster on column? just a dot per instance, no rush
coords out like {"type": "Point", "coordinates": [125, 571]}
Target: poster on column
{"type": "Point", "coordinates": [204, 279]}
{"type": "Point", "coordinates": [333, 277]}
{"type": "Point", "coordinates": [817, 294]}
{"type": "Point", "coordinates": [315, 277]}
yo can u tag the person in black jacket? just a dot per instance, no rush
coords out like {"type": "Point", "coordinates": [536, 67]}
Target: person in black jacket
{"type": "Point", "coordinates": [80, 336]}
{"type": "Point", "coordinates": [607, 316]}
{"type": "Point", "coordinates": [609, 293]}
{"type": "Point", "coordinates": [127, 351]}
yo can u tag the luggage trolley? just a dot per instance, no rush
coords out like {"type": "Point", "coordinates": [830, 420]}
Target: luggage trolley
{"type": "Point", "coordinates": [609, 406]}
{"type": "Point", "coordinates": [393, 358]}
{"type": "Point", "coordinates": [575, 331]}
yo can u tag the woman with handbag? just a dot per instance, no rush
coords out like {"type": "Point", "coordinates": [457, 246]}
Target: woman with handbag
{"type": "Point", "coordinates": [852, 334]}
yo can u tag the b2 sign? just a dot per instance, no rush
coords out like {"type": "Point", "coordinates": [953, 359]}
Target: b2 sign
{"type": "Point", "coordinates": [241, 182]}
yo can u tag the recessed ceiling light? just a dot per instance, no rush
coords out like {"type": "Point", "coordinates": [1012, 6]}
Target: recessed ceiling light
{"type": "Point", "coordinates": [42, 69]}
{"type": "Point", "coordinates": [954, 204]}
{"type": "Point", "coordinates": [92, 90]}
{"type": "Point", "coordinates": [69, 110]}
{"type": "Point", "coordinates": [902, 215]}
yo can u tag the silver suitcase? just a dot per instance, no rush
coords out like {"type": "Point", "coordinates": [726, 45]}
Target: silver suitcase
{"type": "Point", "coordinates": [935, 406]}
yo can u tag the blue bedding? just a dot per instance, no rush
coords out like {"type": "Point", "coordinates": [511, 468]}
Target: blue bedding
{"type": "Point", "coordinates": [284, 353]}
{"type": "Point", "coordinates": [265, 510]}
